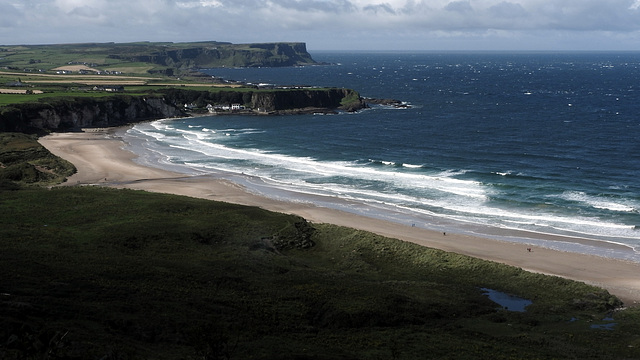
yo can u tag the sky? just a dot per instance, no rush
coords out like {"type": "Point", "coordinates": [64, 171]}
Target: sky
{"type": "Point", "coordinates": [504, 25]}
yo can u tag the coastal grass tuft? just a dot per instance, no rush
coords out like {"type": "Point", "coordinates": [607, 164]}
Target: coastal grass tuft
{"type": "Point", "coordinates": [24, 162]}
{"type": "Point", "coordinates": [92, 272]}
{"type": "Point", "coordinates": [351, 98]}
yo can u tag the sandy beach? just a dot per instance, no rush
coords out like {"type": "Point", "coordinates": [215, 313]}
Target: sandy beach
{"type": "Point", "coordinates": [101, 159]}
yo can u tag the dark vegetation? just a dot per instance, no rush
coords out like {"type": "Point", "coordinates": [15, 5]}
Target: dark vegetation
{"type": "Point", "coordinates": [96, 273]}
{"type": "Point", "coordinates": [24, 162]}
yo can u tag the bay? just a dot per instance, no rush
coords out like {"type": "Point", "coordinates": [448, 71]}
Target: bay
{"type": "Point", "coordinates": [542, 142]}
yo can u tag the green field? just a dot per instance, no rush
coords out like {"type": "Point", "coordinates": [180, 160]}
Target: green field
{"type": "Point", "coordinates": [9, 99]}
{"type": "Point", "coordinates": [48, 57]}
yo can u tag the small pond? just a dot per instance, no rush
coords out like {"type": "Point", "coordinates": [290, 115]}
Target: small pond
{"type": "Point", "coordinates": [508, 302]}
{"type": "Point", "coordinates": [608, 325]}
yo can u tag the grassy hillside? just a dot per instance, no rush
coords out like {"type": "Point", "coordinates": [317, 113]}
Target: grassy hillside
{"type": "Point", "coordinates": [95, 273]}
{"type": "Point", "coordinates": [24, 162]}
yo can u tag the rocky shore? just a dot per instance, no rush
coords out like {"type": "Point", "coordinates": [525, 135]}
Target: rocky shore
{"type": "Point", "coordinates": [65, 114]}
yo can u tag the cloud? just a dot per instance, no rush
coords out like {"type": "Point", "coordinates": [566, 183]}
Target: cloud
{"type": "Point", "coordinates": [507, 10]}
{"type": "Point", "coordinates": [463, 7]}
{"type": "Point", "coordinates": [322, 21]}
{"type": "Point", "coordinates": [379, 8]}
{"type": "Point", "coordinates": [199, 3]}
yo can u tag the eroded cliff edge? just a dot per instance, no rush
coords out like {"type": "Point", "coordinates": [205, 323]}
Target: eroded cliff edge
{"type": "Point", "coordinates": [183, 56]}
{"type": "Point", "coordinates": [60, 114]}
{"type": "Point", "coordinates": [74, 113]}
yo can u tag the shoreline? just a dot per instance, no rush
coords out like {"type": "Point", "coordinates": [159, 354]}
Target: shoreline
{"type": "Point", "coordinates": [101, 159]}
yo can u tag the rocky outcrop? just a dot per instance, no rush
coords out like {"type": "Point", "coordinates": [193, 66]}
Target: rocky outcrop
{"type": "Point", "coordinates": [284, 100]}
{"type": "Point", "coordinates": [272, 101]}
{"type": "Point", "coordinates": [75, 113]}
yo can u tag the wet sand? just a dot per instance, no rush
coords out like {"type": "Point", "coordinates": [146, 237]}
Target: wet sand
{"type": "Point", "coordinates": [101, 159]}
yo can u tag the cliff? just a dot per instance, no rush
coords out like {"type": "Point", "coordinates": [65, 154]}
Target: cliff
{"type": "Point", "coordinates": [74, 113]}
{"type": "Point", "coordinates": [333, 98]}
{"type": "Point", "coordinates": [272, 101]}
{"type": "Point", "coordinates": [209, 55]}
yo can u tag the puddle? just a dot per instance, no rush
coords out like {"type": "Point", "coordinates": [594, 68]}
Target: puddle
{"type": "Point", "coordinates": [508, 302]}
{"type": "Point", "coordinates": [608, 326]}
{"type": "Point", "coordinates": [603, 326]}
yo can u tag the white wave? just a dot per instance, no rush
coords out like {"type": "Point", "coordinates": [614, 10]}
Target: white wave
{"type": "Point", "coordinates": [509, 173]}
{"type": "Point", "coordinates": [150, 134]}
{"type": "Point", "coordinates": [442, 182]}
{"type": "Point", "coordinates": [188, 134]}
{"type": "Point", "coordinates": [463, 210]}
{"type": "Point", "coordinates": [161, 125]}
{"type": "Point", "coordinates": [449, 173]}
{"type": "Point", "coordinates": [599, 202]}
{"type": "Point", "coordinates": [383, 162]}
{"type": "Point", "coordinates": [543, 222]}
{"type": "Point", "coordinates": [411, 166]}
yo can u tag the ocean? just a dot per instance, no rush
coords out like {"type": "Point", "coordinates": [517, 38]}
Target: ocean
{"type": "Point", "coordinates": [547, 143]}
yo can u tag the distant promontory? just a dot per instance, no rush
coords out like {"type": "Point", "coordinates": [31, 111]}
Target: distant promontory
{"type": "Point", "coordinates": [167, 58]}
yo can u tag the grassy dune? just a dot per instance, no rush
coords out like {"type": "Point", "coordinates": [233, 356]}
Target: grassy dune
{"type": "Point", "coordinates": [24, 162]}
{"type": "Point", "coordinates": [90, 272]}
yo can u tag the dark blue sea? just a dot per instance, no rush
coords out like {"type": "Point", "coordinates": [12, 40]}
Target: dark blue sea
{"type": "Point", "coordinates": [542, 142]}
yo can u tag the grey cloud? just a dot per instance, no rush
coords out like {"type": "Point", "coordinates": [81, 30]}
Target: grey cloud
{"type": "Point", "coordinates": [525, 15]}
{"type": "Point", "coordinates": [335, 6]}
{"type": "Point", "coordinates": [330, 6]}
{"type": "Point", "coordinates": [305, 20]}
{"type": "Point", "coordinates": [85, 11]}
{"type": "Point", "coordinates": [459, 7]}
{"type": "Point", "coordinates": [588, 15]}
{"type": "Point", "coordinates": [384, 8]}
{"type": "Point", "coordinates": [9, 16]}
{"type": "Point", "coordinates": [508, 10]}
